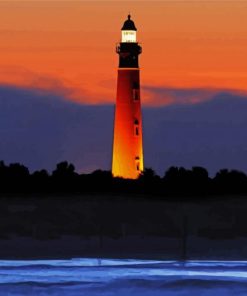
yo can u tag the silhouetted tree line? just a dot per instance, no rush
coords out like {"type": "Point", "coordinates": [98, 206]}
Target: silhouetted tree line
{"type": "Point", "coordinates": [16, 178]}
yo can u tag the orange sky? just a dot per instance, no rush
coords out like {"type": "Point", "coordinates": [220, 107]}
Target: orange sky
{"type": "Point", "coordinates": [69, 46]}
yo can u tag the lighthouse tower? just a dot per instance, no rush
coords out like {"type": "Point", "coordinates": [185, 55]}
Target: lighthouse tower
{"type": "Point", "coordinates": [127, 158]}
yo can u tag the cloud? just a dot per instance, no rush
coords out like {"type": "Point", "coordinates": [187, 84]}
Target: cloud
{"type": "Point", "coordinates": [163, 96]}
{"type": "Point", "coordinates": [40, 129]}
{"type": "Point", "coordinates": [25, 78]}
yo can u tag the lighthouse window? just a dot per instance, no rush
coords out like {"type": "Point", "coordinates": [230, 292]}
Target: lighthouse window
{"type": "Point", "coordinates": [136, 88]}
{"type": "Point", "coordinates": [136, 126]}
{"type": "Point", "coordinates": [136, 85]}
{"type": "Point", "coordinates": [138, 167]}
{"type": "Point", "coordinates": [135, 94]}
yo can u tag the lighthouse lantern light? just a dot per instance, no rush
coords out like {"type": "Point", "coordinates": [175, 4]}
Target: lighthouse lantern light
{"type": "Point", "coordinates": [128, 36]}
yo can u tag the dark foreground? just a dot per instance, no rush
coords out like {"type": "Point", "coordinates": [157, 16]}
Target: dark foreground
{"type": "Point", "coordinates": [113, 226]}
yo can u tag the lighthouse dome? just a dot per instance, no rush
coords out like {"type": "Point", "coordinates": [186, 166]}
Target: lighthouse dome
{"type": "Point", "coordinates": [129, 25]}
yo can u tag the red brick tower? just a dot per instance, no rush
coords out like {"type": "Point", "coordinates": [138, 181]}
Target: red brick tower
{"type": "Point", "coordinates": [127, 158]}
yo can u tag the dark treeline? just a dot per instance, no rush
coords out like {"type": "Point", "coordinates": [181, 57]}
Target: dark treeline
{"type": "Point", "coordinates": [16, 178]}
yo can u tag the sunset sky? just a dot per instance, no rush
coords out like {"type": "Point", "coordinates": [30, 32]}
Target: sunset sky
{"type": "Point", "coordinates": [58, 74]}
{"type": "Point", "coordinates": [69, 46]}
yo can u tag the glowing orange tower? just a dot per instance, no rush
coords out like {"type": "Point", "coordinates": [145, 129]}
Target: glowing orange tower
{"type": "Point", "coordinates": [127, 159]}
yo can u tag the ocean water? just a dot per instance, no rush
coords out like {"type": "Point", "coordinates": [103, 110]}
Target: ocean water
{"type": "Point", "coordinates": [106, 277]}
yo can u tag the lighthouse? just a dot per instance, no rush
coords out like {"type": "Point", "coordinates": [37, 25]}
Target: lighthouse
{"type": "Point", "coordinates": [127, 158]}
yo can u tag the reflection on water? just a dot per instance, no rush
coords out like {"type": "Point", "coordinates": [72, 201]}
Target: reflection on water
{"type": "Point", "coordinates": [122, 277]}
